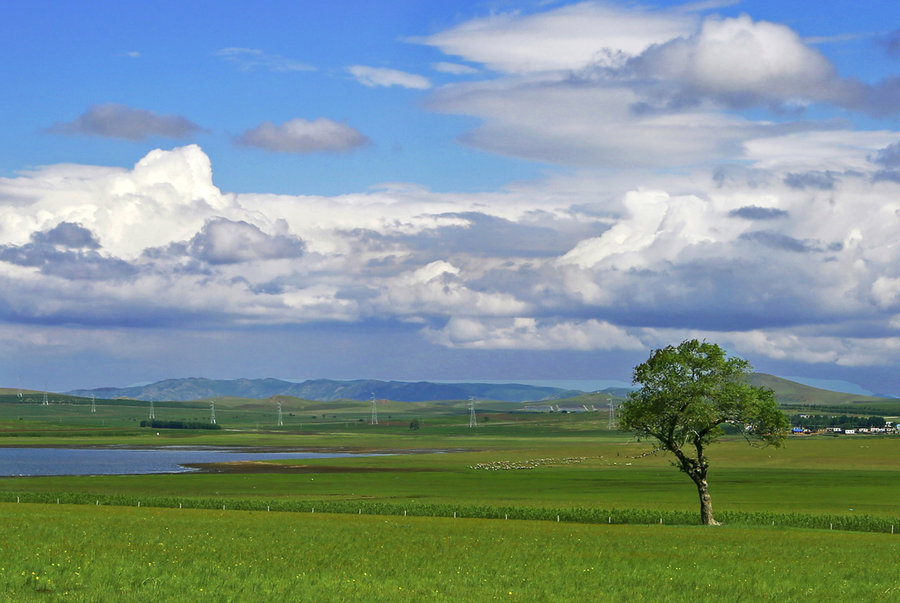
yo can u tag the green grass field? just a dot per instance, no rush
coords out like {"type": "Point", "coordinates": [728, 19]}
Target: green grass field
{"type": "Point", "coordinates": [111, 553]}
{"type": "Point", "coordinates": [104, 552]}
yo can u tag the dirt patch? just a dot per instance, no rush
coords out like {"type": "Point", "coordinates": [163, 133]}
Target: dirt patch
{"type": "Point", "coordinates": [268, 467]}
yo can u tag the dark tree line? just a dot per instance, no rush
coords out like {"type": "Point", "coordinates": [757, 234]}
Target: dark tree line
{"type": "Point", "coordinates": [179, 424]}
{"type": "Point", "coordinates": [815, 422]}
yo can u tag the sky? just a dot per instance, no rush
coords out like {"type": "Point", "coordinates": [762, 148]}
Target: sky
{"type": "Point", "coordinates": [431, 190]}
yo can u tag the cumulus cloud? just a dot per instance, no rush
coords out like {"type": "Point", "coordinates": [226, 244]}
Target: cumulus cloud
{"type": "Point", "coordinates": [302, 136]}
{"type": "Point", "coordinates": [766, 260]}
{"type": "Point", "coordinates": [754, 212]}
{"type": "Point", "coordinates": [380, 76]}
{"type": "Point", "coordinates": [740, 63]}
{"type": "Point", "coordinates": [531, 334]}
{"type": "Point", "coordinates": [820, 180]}
{"type": "Point", "coordinates": [67, 234]}
{"type": "Point", "coordinates": [248, 59]}
{"type": "Point", "coordinates": [112, 120]}
{"type": "Point", "coordinates": [566, 38]}
{"type": "Point", "coordinates": [603, 86]}
{"type": "Point", "coordinates": [223, 241]}
{"type": "Point", "coordinates": [67, 251]}
{"type": "Point", "coordinates": [889, 156]}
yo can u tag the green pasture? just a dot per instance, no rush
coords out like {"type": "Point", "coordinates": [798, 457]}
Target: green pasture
{"type": "Point", "coordinates": [822, 475]}
{"type": "Point", "coordinates": [86, 553]}
{"type": "Point", "coordinates": [529, 464]}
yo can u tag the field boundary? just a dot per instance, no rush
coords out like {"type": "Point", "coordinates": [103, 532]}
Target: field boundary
{"type": "Point", "coordinates": [852, 523]}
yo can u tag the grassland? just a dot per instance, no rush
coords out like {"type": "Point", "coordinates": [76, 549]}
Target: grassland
{"type": "Point", "coordinates": [576, 463]}
{"type": "Point", "coordinates": [101, 553]}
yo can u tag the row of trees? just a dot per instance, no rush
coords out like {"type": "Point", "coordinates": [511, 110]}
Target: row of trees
{"type": "Point", "coordinates": [815, 422]}
{"type": "Point", "coordinates": [179, 424]}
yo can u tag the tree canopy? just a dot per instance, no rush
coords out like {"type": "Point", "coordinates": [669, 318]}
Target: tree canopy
{"type": "Point", "coordinates": [687, 393]}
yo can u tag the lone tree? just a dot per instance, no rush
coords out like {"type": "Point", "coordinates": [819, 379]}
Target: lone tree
{"type": "Point", "coordinates": [687, 393]}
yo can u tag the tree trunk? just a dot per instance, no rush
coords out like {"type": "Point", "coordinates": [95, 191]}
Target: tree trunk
{"type": "Point", "coordinates": [706, 511]}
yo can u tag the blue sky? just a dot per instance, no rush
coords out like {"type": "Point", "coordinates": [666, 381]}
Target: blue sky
{"type": "Point", "coordinates": [446, 190]}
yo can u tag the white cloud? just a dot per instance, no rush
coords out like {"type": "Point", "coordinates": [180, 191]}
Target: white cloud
{"type": "Point", "coordinates": [751, 259]}
{"type": "Point", "coordinates": [112, 120]}
{"type": "Point", "coordinates": [302, 136]}
{"type": "Point", "coordinates": [380, 76]}
{"type": "Point", "coordinates": [567, 38]}
{"type": "Point", "coordinates": [248, 59]}
{"type": "Point", "coordinates": [438, 288]}
{"type": "Point", "coordinates": [601, 86]}
{"type": "Point", "coordinates": [521, 333]}
{"type": "Point", "coordinates": [564, 122]}
{"type": "Point", "coordinates": [453, 68]}
{"type": "Point", "coordinates": [739, 61]}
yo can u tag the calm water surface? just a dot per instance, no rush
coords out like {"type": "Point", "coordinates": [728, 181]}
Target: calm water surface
{"type": "Point", "coordinates": [128, 461]}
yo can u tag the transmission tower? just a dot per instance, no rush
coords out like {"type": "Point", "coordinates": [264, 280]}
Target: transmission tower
{"type": "Point", "coordinates": [93, 403]}
{"type": "Point", "coordinates": [280, 418]}
{"type": "Point", "coordinates": [45, 402]}
{"type": "Point", "coordinates": [153, 414]}
{"type": "Point", "coordinates": [374, 420]}
{"type": "Point", "coordinates": [212, 412]}
{"type": "Point", "coordinates": [473, 421]}
{"type": "Point", "coordinates": [612, 415]}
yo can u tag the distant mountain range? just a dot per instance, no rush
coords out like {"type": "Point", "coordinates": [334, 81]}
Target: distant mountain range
{"type": "Point", "coordinates": [328, 389]}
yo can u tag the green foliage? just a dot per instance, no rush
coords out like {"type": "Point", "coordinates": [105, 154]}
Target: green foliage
{"type": "Point", "coordinates": [156, 424]}
{"type": "Point", "coordinates": [688, 392]}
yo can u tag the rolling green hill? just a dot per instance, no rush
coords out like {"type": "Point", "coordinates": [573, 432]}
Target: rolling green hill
{"type": "Point", "coordinates": [790, 392]}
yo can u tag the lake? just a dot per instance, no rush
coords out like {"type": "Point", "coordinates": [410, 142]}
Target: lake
{"type": "Point", "coordinates": [131, 461]}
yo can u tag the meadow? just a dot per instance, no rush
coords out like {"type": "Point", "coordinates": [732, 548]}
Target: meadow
{"type": "Point", "coordinates": [86, 553]}
{"type": "Point", "coordinates": [384, 527]}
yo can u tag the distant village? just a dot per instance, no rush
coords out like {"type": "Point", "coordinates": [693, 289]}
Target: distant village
{"type": "Point", "coordinates": [800, 423]}
{"type": "Point", "coordinates": [841, 424]}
